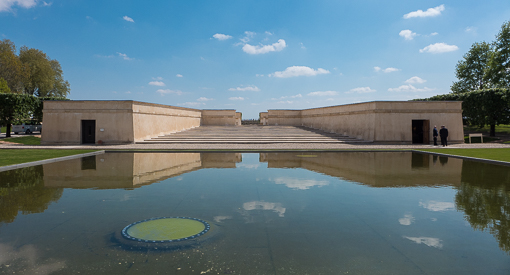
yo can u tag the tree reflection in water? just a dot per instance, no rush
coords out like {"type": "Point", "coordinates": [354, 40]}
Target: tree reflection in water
{"type": "Point", "coordinates": [484, 196]}
{"type": "Point", "coordinates": [23, 190]}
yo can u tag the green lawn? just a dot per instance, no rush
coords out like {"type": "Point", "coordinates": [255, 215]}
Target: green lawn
{"type": "Point", "coordinates": [27, 140]}
{"type": "Point", "coordinates": [503, 128]}
{"type": "Point", "coordinates": [479, 140]}
{"type": "Point", "coordinates": [3, 129]}
{"type": "Point", "coordinates": [17, 156]}
{"type": "Point", "coordinates": [501, 154]}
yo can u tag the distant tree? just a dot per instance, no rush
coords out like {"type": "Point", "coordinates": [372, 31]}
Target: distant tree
{"type": "Point", "coordinates": [12, 70]}
{"type": "Point", "coordinates": [45, 74]}
{"type": "Point", "coordinates": [474, 71]}
{"type": "Point", "coordinates": [4, 88]}
{"type": "Point", "coordinates": [500, 62]}
{"type": "Point", "coordinates": [16, 107]}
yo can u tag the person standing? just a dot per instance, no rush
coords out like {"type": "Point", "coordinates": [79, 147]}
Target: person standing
{"type": "Point", "coordinates": [435, 134]}
{"type": "Point", "coordinates": [443, 133]}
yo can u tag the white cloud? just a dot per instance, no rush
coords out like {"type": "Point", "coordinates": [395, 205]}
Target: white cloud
{"type": "Point", "coordinates": [387, 70]}
{"type": "Point", "coordinates": [246, 89]}
{"type": "Point", "coordinates": [325, 93]}
{"type": "Point", "coordinates": [262, 205]}
{"type": "Point", "coordinates": [6, 5]}
{"type": "Point", "coordinates": [221, 218]}
{"type": "Point", "coordinates": [299, 71]}
{"type": "Point", "coordinates": [259, 75]}
{"type": "Point", "coordinates": [302, 46]}
{"type": "Point", "coordinates": [434, 33]}
{"type": "Point", "coordinates": [129, 19]}
{"type": "Point", "coordinates": [47, 4]}
{"type": "Point", "coordinates": [248, 37]}
{"type": "Point", "coordinates": [432, 242]}
{"type": "Point", "coordinates": [431, 12]}
{"type": "Point", "coordinates": [157, 83]}
{"type": "Point", "coordinates": [409, 88]}
{"type": "Point", "coordinates": [178, 75]}
{"type": "Point", "coordinates": [124, 56]}
{"type": "Point", "coordinates": [361, 90]}
{"type": "Point", "coordinates": [291, 96]}
{"type": "Point", "coordinates": [204, 99]}
{"type": "Point", "coordinates": [438, 206]}
{"type": "Point", "coordinates": [439, 48]}
{"type": "Point", "coordinates": [236, 98]}
{"type": "Point", "coordinates": [168, 91]}
{"type": "Point", "coordinates": [221, 36]}
{"type": "Point", "coordinates": [408, 219]}
{"type": "Point", "coordinates": [415, 79]}
{"type": "Point", "coordinates": [157, 78]}
{"type": "Point", "coordinates": [262, 49]}
{"type": "Point", "coordinates": [192, 104]}
{"type": "Point", "coordinates": [299, 184]}
{"type": "Point", "coordinates": [285, 102]}
{"type": "Point", "coordinates": [269, 33]}
{"type": "Point", "coordinates": [407, 34]}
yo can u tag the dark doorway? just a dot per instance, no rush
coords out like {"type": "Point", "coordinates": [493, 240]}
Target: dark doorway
{"type": "Point", "coordinates": [88, 131]}
{"type": "Point", "coordinates": [421, 131]}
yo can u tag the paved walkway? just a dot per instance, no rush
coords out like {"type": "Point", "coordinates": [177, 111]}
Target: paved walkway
{"type": "Point", "coordinates": [254, 138]}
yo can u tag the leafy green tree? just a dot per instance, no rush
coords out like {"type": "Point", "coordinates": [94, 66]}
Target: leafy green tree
{"type": "Point", "coordinates": [4, 88]}
{"type": "Point", "coordinates": [16, 107]}
{"type": "Point", "coordinates": [473, 71]}
{"type": "Point", "coordinates": [45, 74]}
{"type": "Point", "coordinates": [501, 61]}
{"type": "Point", "coordinates": [12, 70]}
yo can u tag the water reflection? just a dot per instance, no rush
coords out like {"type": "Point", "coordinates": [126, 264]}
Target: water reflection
{"type": "Point", "coordinates": [484, 196]}
{"type": "Point", "coordinates": [26, 258]}
{"type": "Point", "coordinates": [22, 190]}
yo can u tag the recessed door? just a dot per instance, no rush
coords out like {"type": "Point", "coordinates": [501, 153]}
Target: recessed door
{"type": "Point", "coordinates": [88, 131]}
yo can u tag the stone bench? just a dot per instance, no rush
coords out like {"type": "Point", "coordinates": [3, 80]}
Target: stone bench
{"type": "Point", "coordinates": [475, 135]}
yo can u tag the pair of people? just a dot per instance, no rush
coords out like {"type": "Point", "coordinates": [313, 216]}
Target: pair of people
{"type": "Point", "coordinates": [443, 133]}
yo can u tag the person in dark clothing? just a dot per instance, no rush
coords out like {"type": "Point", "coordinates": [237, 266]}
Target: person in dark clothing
{"type": "Point", "coordinates": [443, 133]}
{"type": "Point", "coordinates": [435, 134]}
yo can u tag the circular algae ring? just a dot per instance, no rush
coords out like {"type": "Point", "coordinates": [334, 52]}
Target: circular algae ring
{"type": "Point", "coordinates": [166, 229]}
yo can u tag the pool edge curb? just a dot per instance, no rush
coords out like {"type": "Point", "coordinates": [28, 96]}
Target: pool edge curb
{"type": "Point", "coordinates": [499, 162]}
{"type": "Point", "coordinates": [46, 161]}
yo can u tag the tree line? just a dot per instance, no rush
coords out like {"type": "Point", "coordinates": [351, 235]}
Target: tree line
{"type": "Point", "coordinates": [26, 80]}
{"type": "Point", "coordinates": [484, 82]}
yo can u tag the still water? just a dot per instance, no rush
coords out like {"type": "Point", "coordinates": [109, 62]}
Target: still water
{"type": "Point", "coordinates": [271, 213]}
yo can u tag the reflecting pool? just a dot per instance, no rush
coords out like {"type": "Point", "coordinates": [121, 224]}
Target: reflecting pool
{"type": "Point", "coordinates": [270, 213]}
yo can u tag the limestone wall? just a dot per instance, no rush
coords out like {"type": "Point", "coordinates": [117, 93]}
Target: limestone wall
{"type": "Point", "coordinates": [383, 121]}
{"type": "Point", "coordinates": [263, 118]}
{"type": "Point", "coordinates": [219, 117]}
{"type": "Point", "coordinates": [117, 122]}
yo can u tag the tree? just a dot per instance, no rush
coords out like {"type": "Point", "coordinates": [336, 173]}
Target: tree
{"type": "Point", "coordinates": [16, 107]}
{"type": "Point", "coordinates": [474, 72]}
{"type": "Point", "coordinates": [4, 88]}
{"type": "Point", "coordinates": [45, 74]}
{"type": "Point", "coordinates": [12, 70]}
{"type": "Point", "coordinates": [501, 61]}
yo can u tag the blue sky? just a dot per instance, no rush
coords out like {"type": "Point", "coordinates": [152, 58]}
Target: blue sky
{"type": "Point", "coordinates": [253, 55]}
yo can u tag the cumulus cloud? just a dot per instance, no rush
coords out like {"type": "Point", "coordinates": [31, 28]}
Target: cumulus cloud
{"type": "Point", "coordinates": [361, 90]}
{"type": "Point", "coordinates": [285, 102]}
{"type": "Point", "coordinates": [409, 88]}
{"type": "Point", "coordinates": [299, 184]}
{"type": "Point", "coordinates": [6, 5]}
{"type": "Point", "coordinates": [438, 206]}
{"type": "Point", "coordinates": [431, 12]}
{"type": "Point", "coordinates": [248, 36]}
{"type": "Point", "coordinates": [157, 83]}
{"type": "Point", "coordinates": [204, 99]}
{"type": "Point", "coordinates": [415, 79]}
{"type": "Point", "coordinates": [236, 98]}
{"type": "Point", "coordinates": [262, 49]}
{"type": "Point", "coordinates": [299, 71]}
{"type": "Point", "coordinates": [439, 48]}
{"type": "Point", "coordinates": [221, 36]}
{"type": "Point", "coordinates": [129, 19]}
{"type": "Point", "coordinates": [124, 56]}
{"type": "Point", "coordinates": [387, 70]}
{"type": "Point", "coordinates": [291, 96]}
{"type": "Point", "coordinates": [434, 33]}
{"type": "Point", "coordinates": [246, 89]}
{"type": "Point", "coordinates": [178, 75]}
{"type": "Point", "coordinates": [168, 91]}
{"type": "Point", "coordinates": [408, 219]}
{"type": "Point", "coordinates": [325, 93]}
{"type": "Point", "coordinates": [407, 34]}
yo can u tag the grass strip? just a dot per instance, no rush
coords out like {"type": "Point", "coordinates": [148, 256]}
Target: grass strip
{"type": "Point", "coordinates": [27, 140]}
{"type": "Point", "coordinates": [18, 156]}
{"type": "Point", "coordinates": [500, 154]}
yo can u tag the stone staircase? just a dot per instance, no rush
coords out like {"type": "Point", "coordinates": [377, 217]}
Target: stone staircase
{"type": "Point", "coordinates": [251, 134]}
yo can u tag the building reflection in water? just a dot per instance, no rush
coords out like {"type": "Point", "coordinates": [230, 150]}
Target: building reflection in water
{"type": "Point", "coordinates": [483, 189]}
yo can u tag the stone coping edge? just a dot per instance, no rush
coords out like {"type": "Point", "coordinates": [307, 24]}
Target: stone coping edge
{"type": "Point", "coordinates": [499, 162]}
{"type": "Point", "coordinates": [45, 161]}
